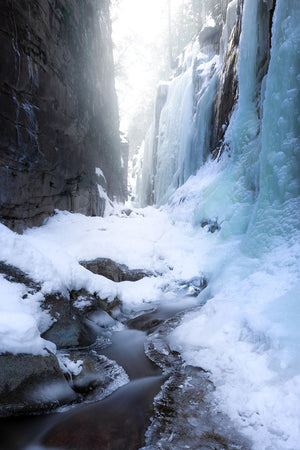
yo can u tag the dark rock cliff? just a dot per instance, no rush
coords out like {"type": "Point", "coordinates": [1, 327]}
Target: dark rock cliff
{"type": "Point", "coordinates": [59, 115]}
{"type": "Point", "coordinates": [227, 92]}
{"type": "Point", "coordinates": [161, 97]}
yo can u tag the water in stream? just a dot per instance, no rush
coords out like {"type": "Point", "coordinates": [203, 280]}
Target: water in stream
{"type": "Point", "coordinates": [117, 422]}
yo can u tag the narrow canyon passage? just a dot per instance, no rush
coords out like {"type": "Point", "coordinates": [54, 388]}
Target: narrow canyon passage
{"type": "Point", "coordinates": [120, 420]}
{"type": "Point", "coordinates": [151, 307]}
{"type": "Point", "coordinates": [149, 251]}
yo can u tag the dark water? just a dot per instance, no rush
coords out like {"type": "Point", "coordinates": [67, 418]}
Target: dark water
{"type": "Point", "coordinates": [127, 350]}
{"type": "Point", "coordinates": [117, 422]}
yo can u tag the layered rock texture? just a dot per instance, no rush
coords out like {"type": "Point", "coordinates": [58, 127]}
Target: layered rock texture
{"type": "Point", "coordinates": [59, 115]}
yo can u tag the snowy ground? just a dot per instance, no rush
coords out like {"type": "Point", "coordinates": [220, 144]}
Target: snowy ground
{"type": "Point", "coordinates": [245, 334]}
{"type": "Point", "coordinates": [50, 255]}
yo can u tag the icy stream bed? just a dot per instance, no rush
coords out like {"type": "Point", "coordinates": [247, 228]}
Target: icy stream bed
{"type": "Point", "coordinates": [236, 332]}
{"type": "Point", "coordinates": [119, 420]}
{"type": "Point", "coordinates": [164, 400]}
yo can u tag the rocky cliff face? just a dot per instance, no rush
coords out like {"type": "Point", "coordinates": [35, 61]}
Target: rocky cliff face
{"type": "Point", "coordinates": [59, 115]}
{"type": "Point", "coordinates": [227, 92]}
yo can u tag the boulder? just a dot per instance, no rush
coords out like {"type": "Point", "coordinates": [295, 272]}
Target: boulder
{"type": "Point", "coordinates": [31, 384]}
{"type": "Point", "coordinates": [92, 375]}
{"type": "Point", "coordinates": [115, 271]}
{"type": "Point", "coordinates": [70, 328]}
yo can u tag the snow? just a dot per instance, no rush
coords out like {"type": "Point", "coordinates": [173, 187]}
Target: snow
{"type": "Point", "coordinates": [21, 321]}
{"type": "Point", "coordinates": [108, 204]}
{"type": "Point", "coordinates": [68, 365]}
{"type": "Point", "coordinates": [246, 333]}
{"type": "Point", "coordinates": [99, 173]}
{"type": "Point", "coordinates": [51, 254]}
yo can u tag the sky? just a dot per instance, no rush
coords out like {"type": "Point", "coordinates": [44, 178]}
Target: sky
{"type": "Point", "coordinates": [139, 30]}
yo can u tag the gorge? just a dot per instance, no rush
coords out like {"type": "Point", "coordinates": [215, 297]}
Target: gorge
{"type": "Point", "coordinates": [200, 272]}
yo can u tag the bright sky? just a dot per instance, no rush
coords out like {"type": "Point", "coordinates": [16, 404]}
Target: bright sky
{"type": "Point", "coordinates": [138, 27]}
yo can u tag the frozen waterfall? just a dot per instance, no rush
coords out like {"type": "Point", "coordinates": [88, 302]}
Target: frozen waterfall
{"type": "Point", "coordinates": [247, 332]}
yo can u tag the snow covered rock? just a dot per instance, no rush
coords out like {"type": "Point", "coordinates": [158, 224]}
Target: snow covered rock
{"type": "Point", "coordinates": [114, 271]}
{"type": "Point", "coordinates": [84, 302]}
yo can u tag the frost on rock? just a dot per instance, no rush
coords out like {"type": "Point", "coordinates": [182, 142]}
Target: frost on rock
{"type": "Point", "coordinates": [185, 412]}
{"type": "Point", "coordinates": [92, 375]}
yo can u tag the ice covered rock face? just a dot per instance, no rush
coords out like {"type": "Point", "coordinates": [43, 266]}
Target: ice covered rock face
{"type": "Point", "coordinates": [192, 122]}
{"type": "Point", "coordinates": [59, 116]}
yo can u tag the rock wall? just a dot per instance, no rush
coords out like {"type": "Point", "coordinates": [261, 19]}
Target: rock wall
{"type": "Point", "coordinates": [228, 92]}
{"type": "Point", "coordinates": [59, 114]}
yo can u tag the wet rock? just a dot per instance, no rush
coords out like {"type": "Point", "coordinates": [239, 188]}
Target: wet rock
{"type": "Point", "coordinates": [31, 384]}
{"type": "Point", "coordinates": [97, 374]}
{"type": "Point", "coordinates": [114, 271]}
{"type": "Point", "coordinates": [113, 308]}
{"type": "Point", "coordinates": [158, 350]}
{"type": "Point", "coordinates": [97, 377]}
{"type": "Point", "coordinates": [102, 319]}
{"type": "Point", "coordinates": [145, 322]}
{"type": "Point", "coordinates": [185, 413]}
{"type": "Point", "coordinates": [88, 379]}
{"type": "Point", "coordinates": [70, 332]}
{"type": "Point", "coordinates": [70, 329]}
{"type": "Point", "coordinates": [87, 304]}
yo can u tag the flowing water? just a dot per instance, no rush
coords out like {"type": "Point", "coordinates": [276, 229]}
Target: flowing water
{"type": "Point", "coordinates": [117, 422]}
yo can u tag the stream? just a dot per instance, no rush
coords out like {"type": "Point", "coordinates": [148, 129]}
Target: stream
{"type": "Point", "coordinates": [117, 422]}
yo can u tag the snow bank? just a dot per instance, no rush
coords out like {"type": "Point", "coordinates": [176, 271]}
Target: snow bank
{"type": "Point", "coordinates": [20, 320]}
{"type": "Point", "coordinates": [50, 255]}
